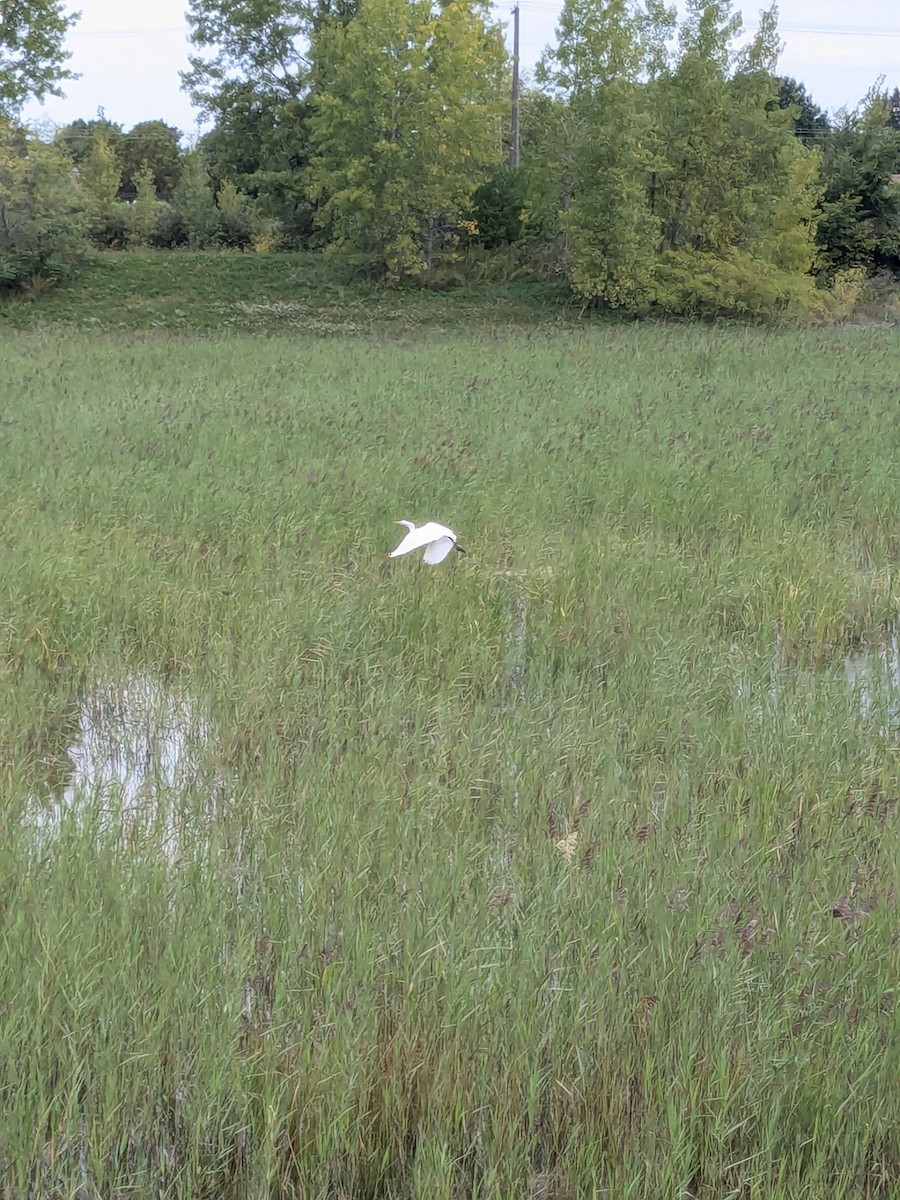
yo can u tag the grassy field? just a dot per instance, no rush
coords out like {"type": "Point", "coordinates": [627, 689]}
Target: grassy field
{"type": "Point", "coordinates": [564, 869]}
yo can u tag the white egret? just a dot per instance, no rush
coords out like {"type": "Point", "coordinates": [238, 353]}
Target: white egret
{"type": "Point", "coordinates": [437, 539]}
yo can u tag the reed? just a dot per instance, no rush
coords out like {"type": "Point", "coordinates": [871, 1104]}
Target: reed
{"type": "Point", "coordinates": [564, 869]}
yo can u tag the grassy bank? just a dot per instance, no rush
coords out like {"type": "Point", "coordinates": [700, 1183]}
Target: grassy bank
{"type": "Point", "coordinates": [296, 294]}
{"type": "Point", "coordinates": [565, 869]}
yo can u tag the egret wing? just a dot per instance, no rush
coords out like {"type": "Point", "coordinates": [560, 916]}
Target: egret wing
{"type": "Point", "coordinates": [413, 540]}
{"type": "Point", "coordinates": [437, 551]}
{"type": "Point", "coordinates": [435, 530]}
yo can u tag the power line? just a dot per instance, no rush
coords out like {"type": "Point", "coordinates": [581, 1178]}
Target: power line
{"type": "Point", "coordinates": [543, 6]}
{"type": "Point", "coordinates": [835, 31]}
{"type": "Point", "coordinates": [129, 33]}
{"type": "Point", "coordinates": [555, 9]}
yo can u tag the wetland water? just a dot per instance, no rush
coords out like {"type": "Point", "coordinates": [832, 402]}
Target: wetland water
{"type": "Point", "coordinates": [143, 748]}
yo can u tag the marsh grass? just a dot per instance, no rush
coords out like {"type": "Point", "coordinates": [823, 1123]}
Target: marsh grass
{"type": "Point", "coordinates": [567, 870]}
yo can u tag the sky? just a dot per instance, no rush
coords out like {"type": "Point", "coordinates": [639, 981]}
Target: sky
{"type": "Point", "coordinates": [128, 55]}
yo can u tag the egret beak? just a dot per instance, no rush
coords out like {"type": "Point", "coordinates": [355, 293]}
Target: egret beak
{"type": "Point", "coordinates": [456, 546]}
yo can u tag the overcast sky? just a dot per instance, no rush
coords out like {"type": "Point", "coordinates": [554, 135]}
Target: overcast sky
{"type": "Point", "coordinates": [129, 55]}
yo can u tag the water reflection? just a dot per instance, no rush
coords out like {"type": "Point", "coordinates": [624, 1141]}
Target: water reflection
{"type": "Point", "coordinates": [870, 673]}
{"type": "Point", "coordinates": [140, 768]}
{"type": "Point", "coordinates": [875, 670]}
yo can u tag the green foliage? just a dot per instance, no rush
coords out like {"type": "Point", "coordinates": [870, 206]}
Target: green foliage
{"type": "Point", "coordinates": [254, 42]}
{"type": "Point", "coordinates": [377, 130]}
{"type": "Point", "coordinates": [261, 144]}
{"type": "Point", "coordinates": [41, 231]}
{"type": "Point", "coordinates": [498, 207]}
{"type": "Point", "coordinates": [144, 210]}
{"type": "Point", "coordinates": [235, 218]}
{"type": "Point", "coordinates": [32, 53]}
{"type": "Point", "coordinates": [613, 232]}
{"type": "Point", "coordinates": [700, 284]}
{"type": "Point", "coordinates": [594, 170]}
{"type": "Point", "coordinates": [194, 217]}
{"type": "Point", "coordinates": [99, 179]}
{"type": "Point", "coordinates": [549, 133]}
{"type": "Point", "coordinates": [152, 144]}
{"type": "Point", "coordinates": [636, 143]}
{"type": "Point", "coordinates": [256, 84]}
{"type": "Point", "coordinates": [670, 159]}
{"type": "Point", "coordinates": [811, 123]}
{"type": "Point", "coordinates": [726, 151]}
{"type": "Point", "coordinates": [594, 165]}
{"type": "Point", "coordinates": [860, 218]}
{"type": "Point", "coordinates": [406, 106]}
{"type": "Point", "coordinates": [599, 41]}
{"type": "Point", "coordinates": [78, 137]}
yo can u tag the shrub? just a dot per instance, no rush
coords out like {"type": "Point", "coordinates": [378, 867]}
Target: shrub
{"type": "Point", "coordinates": [692, 283]}
{"type": "Point", "coordinates": [143, 211]}
{"type": "Point", "coordinates": [498, 206]}
{"type": "Point", "coordinates": [171, 231]}
{"type": "Point", "coordinates": [235, 218]}
{"type": "Point", "coordinates": [195, 218]}
{"type": "Point", "coordinates": [42, 232]}
{"type": "Point", "coordinates": [99, 176]}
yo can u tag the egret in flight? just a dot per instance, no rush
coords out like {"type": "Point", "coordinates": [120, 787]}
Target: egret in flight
{"type": "Point", "coordinates": [437, 539]}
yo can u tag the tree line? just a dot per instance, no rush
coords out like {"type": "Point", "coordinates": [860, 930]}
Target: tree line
{"type": "Point", "coordinates": [665, 164]}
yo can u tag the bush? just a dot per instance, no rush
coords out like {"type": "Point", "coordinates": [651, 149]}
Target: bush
{"type": "Point", "coordinates": [194, 213]}
{"type": "Point", "coordinates": [498, 206]}
{"type": "Point", "coordinates": [99, 176]}
{"type": "Point", "coordinates": [267, 235]}
{"type": "Point", "coordinates": [171, 231]}
{"type": "Point", "coordinates": [859, 225]}
{"type": "Point", "coordinates": [235, 218]}
{"type": "Point", "coordinates": [692, 283]}
{"type": "Point", "coordinates": [109, 230]}
{"type": "Point", "coordinates": [144, 210]}
{"type": "Point", "coordinates": [42, 233]}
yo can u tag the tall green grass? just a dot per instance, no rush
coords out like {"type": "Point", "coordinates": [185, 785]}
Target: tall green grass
{"type": "Point", "coordinates": [565, 869]}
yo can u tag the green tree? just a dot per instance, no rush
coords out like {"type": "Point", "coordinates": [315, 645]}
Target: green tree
{"type": "Point", "coordinates": [860, 219]}
{"type": "Point", "coordinates": [41, 228]}
{"type": "Point", "coordinates": [736, 195]}
{"type": "Point", "coordinates": [407, 107]}
{"type": "Point", "coordinates": [235, 218]}
{"type": "Point", "coordinates": [262, 146]}
{"type": "Point", "coordinates": [498, 207]}
{"type": "Point", "coordinates": [705, 158]}
{"type": "Point", "coordinates": [613, 231]}
{"type": "Point", "coordinates": [550, 133]}
{"type": "Point", "coordinates": [680, 182]}
{"type": "Point", "coordinates": [153, 145]}
{"type": "Point", "coordinates": [598, 41]}
{"type": "Point", "coordinates": [255, 44]}
{"type": "Point", "coordinates": [99, 177]}
{"type": "Point", "coordinates": [253, 75]}
{"type": "Point", "coordinates": [894, 119]}
{"type": "Point", "coordinates": [602, 156]}
{"type": "Point", "coordinates": [248, 41]}
{"type": "Point", "coordinates": [196, 217]}
{"type": "Point", "coordinates": [32, 54]}
{"type": "Point", "coordinates": [811, 123]}
{"type": "Point", "coordinates": [144, 209]}
{"type": "Point", "coordinates": [77, 138]}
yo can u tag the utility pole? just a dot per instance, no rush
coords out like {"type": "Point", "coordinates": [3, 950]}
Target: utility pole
{"type": "Point", "coordinates": [514, 151]}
